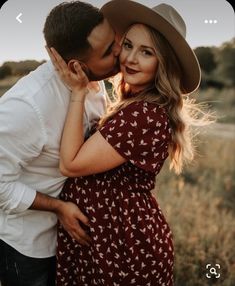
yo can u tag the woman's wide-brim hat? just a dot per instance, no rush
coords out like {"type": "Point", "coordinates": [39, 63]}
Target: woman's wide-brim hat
{"type": "Point", "coordinates": [165, 19]}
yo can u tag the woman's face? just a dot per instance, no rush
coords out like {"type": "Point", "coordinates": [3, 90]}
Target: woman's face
{"type": "Point", "coordinates": [138, 60]}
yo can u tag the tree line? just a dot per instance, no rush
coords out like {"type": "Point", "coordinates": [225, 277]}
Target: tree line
{"type": "Point", "coordinates": [217, 64]}
{"type": "Point", "coordinates": [18, 68]}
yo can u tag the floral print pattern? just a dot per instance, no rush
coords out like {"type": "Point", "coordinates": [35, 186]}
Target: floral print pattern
{"type": "Point", "coordinates": [131, 240]}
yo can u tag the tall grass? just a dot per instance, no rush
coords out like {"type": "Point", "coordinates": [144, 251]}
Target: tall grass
{"type": "Point", "coordinates": [221, 100]}
{"type": "Point", "coordinates": [199, 206]}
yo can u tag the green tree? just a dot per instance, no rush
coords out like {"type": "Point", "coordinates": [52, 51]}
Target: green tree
{"type": "Point", "coordinates": [206, 58]}
{"type": "Point", "coordinates": [226, 63]}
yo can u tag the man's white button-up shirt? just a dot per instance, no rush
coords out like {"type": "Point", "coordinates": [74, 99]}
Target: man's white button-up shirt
{"type": "Point", "coordinates": [32, 115]}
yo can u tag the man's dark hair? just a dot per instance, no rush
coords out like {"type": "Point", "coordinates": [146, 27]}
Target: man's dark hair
{"type": "Point", "coordinates": [67, 27]}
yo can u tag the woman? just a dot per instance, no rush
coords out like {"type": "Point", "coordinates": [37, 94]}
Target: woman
{"type": "Point", "coordinates": [113, 172]}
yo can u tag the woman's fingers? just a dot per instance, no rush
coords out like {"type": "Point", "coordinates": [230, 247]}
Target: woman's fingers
{"type": "Point", "coordinates": [52, 57]}
{"type": "Point", "coordinates": [74, 77]}
{"type": "Point", "coordinates": [80, 72]}
{"type": "Point", "coordinates": [59, 60]}
{"type": "Point", "coordinates": [62, 66]}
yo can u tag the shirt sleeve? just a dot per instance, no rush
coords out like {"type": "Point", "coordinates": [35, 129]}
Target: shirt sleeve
{"type": "Point", "coordinates": [95, 106]}
{"type": "Point", "coordinates": [21, 140]}
{"type": "Point", "coordinates": [140, 133]}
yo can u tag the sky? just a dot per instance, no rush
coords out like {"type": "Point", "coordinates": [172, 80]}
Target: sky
{"type": "Point", "coordinates": [22, 41]}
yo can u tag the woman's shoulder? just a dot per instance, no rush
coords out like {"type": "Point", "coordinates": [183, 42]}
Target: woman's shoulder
{"type": "Point", "coordinates": [143, 108]}
{"type": "Point", "coordinates": [140, 114]}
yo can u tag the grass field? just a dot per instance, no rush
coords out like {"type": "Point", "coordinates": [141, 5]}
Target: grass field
{"type": "Point", "coordinates": [199, 204]}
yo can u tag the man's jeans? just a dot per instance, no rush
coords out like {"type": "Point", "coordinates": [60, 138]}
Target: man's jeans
{"type": "Point", "coordinates": [17, 269]}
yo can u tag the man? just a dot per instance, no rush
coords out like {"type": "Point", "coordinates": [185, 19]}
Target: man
{"type": "Point", "coordinates": [32, 115]}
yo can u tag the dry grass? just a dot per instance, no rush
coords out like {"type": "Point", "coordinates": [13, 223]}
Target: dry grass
{"type": "Point", "coordinates": [199, 206]}
{"type": "Point", "coordinates": [223, 101]}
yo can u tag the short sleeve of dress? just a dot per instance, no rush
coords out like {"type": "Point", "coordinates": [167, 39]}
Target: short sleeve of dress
{"type": "Point", "coordinates": [140, 133]}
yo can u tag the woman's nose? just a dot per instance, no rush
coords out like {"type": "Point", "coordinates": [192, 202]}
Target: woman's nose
{"type": "Point", "coordinates": [131, 57]}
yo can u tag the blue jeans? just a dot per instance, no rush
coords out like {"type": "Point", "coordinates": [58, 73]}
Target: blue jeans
{"type": "Point", "coordinates": [17, 269]}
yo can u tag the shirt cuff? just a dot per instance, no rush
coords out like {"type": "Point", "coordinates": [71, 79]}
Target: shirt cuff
{"type": "Point", "coordinates": [27, 199]}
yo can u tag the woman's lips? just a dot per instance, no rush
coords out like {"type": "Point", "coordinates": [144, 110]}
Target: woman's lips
{"type": "Point", "coordinates": [130, 71]}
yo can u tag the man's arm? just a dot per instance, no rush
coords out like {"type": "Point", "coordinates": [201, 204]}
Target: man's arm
{"type": "Point", "coordinates": [68, 213]}
{"type": "Point", "coordinates": [22, 137]}
{"type": "Point", "coordinates": [21, 140]}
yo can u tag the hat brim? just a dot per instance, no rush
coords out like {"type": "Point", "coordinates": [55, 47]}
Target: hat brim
{"type": "Point", "coordinates": [123, 13]}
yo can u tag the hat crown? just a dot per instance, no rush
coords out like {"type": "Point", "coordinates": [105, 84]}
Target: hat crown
{"type": "Point", "coordinates": [172, 17]}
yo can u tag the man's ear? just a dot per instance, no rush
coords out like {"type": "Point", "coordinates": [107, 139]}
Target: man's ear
{"type": "Point", "coordinates": [72, 62]}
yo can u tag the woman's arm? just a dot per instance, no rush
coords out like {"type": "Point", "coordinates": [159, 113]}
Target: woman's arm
{"type": "Point", "coordinates": [76, 157]}
{"type": "Point", "coordinates": [73, 135]}
{"type": "Point", "coordinates": [96, 155]}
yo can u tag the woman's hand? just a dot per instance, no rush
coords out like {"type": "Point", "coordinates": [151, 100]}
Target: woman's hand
{"type": "Point", "coordinates": [74, 80]}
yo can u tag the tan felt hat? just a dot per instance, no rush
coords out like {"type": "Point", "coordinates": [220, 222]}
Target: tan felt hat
{"type": "Point", "coordinates": [164, 18]}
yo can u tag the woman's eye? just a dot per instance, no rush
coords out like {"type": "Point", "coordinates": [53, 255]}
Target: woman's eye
{"type": "Point", "coordinates": [127, 45]}
{"type": "Point", "coordinates": [147, 53]}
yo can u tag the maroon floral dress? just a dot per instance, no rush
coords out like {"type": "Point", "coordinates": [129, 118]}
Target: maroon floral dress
{"type": "Point", "coordinates": [131, 241]}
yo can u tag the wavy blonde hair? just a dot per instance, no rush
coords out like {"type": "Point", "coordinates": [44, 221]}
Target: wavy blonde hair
{"type": "Point", "coordinates": [184, 114]}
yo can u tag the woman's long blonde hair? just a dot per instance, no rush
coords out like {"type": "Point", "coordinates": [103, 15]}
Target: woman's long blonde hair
{"type": "Point", "coordinates": [184, 114]}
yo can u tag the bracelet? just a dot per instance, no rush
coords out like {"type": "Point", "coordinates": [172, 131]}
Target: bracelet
{"type": "Point", "coordinates": [76, 100]}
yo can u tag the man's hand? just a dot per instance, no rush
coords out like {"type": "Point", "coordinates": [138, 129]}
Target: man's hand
{"type": "Point", "coordinates": [67, 212]}
{"type": "Point", "coordinates": [70, 215]}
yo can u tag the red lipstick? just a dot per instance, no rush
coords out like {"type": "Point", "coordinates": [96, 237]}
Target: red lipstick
{"type": "Point", "coordinates": [131, 71]}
